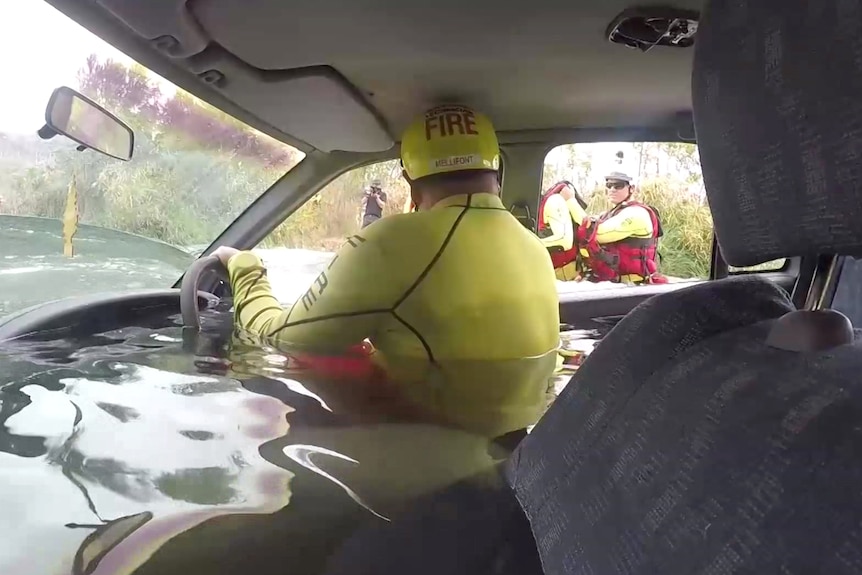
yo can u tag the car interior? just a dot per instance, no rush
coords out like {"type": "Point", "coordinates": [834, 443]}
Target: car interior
{"type": "Point", "coordinates": [309, 86]}
{"type": "Point", "coordinates": [716, 428]}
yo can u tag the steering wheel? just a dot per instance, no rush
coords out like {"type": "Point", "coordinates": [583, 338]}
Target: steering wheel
{"type": "Point", "coordinates": [189, 293]}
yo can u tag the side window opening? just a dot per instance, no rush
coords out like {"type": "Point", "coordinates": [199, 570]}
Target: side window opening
{"type": "Point", "coordinates": [335, 212]}
{"type": "Point", "coordinates": [848, 292]}
{"type": "Point", "coordinates": [667, 177]}
{"type": "Point", "coordinates": [297, 250]}
{"type": "Point", "coordinates": [770, 266]}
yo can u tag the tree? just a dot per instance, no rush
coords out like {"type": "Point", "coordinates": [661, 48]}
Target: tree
{"type": "Point", "coordinates": [126, 92]}
{"type": "Point", "coordinates": [178, 121]}
{"type": "Point", "coordinates": [573, 162]}
{"type": "Point", "coordinates": [685, 158]}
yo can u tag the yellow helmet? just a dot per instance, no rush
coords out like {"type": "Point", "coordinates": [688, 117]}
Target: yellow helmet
{"type": "Point", "coordinates": [449, 138]}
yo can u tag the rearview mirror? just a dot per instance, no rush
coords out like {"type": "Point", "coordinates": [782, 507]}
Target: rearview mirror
{"type": "Point", "coordinates": [77, 117]}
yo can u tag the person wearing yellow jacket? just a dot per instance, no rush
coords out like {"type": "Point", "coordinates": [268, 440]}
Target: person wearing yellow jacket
{"type": "Point", "coordinates": [557, 219]}
{"type": "Point", "coordinates": [557, 230]}
{"type": "Point", "coordinates": [621, 244]}
{"type": "Point", "coordinates": [458, 299]}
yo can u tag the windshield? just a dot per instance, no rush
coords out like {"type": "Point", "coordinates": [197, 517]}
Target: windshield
{"type": "Point", "coordinates": [139, 223]}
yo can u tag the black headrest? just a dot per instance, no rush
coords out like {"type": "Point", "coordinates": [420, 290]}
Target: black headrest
{"type": "Point", "coordinates": [777, 98]}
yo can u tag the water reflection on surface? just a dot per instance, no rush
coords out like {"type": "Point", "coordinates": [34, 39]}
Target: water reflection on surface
{"type": "Point", "coordinates": [143, 449]}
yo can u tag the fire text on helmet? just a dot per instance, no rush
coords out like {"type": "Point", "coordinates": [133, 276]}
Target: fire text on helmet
{"type": "Point", "coordinates": [450, 121]}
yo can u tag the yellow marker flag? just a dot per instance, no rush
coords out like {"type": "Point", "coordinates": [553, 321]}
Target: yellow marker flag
{"type": "Point", "coordinates": [70, 219]}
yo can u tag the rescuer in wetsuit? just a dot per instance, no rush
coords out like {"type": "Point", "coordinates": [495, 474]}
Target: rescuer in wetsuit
{"type": "Point", "coordinates": [621, 244]}
{"type": "Point", "coordinates": [458, 298]}
{"type": "Point", "coordinates": [557, 230]}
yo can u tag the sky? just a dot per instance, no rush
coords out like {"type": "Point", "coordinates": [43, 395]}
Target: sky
{"type": "Point", "coordinates": [604, 159]}
{"type": "Point", "coordinates": [40, 49]}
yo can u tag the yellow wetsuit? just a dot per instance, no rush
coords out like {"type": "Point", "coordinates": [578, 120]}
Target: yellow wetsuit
{"type": "Point", "coordinates": [629, 222]}
{"type": "Point", "coordinates": [459, 302]}
{"type": "Point", "coordinates": [556, 217]}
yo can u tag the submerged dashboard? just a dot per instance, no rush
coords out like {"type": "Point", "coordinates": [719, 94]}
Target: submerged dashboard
{"type": "Point", "coordinates": [87, 315]}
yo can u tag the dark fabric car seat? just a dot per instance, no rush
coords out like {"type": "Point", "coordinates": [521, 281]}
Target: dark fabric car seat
{"type": "Point", "coordinates": [717, 429]}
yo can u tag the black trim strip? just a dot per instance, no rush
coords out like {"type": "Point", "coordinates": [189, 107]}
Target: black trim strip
{"type": "Point", "coordinates": [391, 310]}
{"type": "Point", "coordinates": [260, 311]}
{"type": "Point", "coordinates": [478, 208]}
{"type": "Point", "coordinates": [292, 306]}
{"type": "Point", "coordinates": [238, 309]}
{"type": "Point", "coordinates": [265, 326]}
{"type": "Point", "coordinates": [255, 268]}
{"type": "Point", "coordinates": [435, 258]}
{"type": "Point", "coordinates": [418, 336]}
{"type": "Point", "coordinates": [326, 317]}
{"type": "Point", "coordinates": [254, 283]}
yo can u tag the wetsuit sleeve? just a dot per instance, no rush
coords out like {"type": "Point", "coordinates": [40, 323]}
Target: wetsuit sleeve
{"type": "Point", "coordinates": [343, 305]}
{"type": "Point", "coordinates": [556, 218]}
{"type": "Point", "coordinates": [575, 210]}
{"type": "Point", "coordinates": [631, 222]}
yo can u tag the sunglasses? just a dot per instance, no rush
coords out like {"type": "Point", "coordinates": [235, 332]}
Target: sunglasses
{"type": "Point", "coordinates": [615, 185]}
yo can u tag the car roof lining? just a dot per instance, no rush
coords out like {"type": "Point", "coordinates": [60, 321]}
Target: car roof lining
{"type": "Point", "coordinates": [343, 75]}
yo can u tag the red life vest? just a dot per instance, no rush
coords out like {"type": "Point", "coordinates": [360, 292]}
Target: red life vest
{"type": "Point", "coordinates": [631, 256]}
{"type": "Point", "coordinates": [559, 256]}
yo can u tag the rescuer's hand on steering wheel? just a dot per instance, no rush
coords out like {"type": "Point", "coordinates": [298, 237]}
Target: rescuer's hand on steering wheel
{"type": "Point", "coordinates": [225, 253]}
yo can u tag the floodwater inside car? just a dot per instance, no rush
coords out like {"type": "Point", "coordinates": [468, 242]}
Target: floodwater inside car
{"type": "Point", "coordinates": [183, 452]}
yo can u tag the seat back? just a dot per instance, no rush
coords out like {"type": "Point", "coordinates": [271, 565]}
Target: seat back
{"type": "Point", "coordinates": [686, 443]}
{"type": "Point", "coordinates": [716, 429]}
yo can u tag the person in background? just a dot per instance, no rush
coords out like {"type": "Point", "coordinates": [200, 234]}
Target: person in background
{"type": "Point", "coordinates": [621, 244]}
{"type": "Point", "coordinates": [556, 229]}
{"type": "Point", "coordinates": [373, 203]}
{"type": "Point", "coordinates": [458, 299]}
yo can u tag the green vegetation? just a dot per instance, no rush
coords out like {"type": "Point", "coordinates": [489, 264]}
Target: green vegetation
{"type": "Point", "coordinates": [334, 213]}
{"type": "Point", "coordinates": [670, 180]}
{"type": "Point", "coordinates": [195, 169]}
{"type": "Point", "coordinates": [686, 247]}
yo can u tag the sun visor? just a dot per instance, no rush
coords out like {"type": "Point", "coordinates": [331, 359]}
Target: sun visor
{"type": "Point", "coordinates": [315, 104]}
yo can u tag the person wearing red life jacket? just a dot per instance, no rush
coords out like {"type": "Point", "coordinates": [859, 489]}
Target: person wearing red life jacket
{"type": "Point", "coordinates": [557, 230]}
{"type": "Point", "coordinates": [621, 244]}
